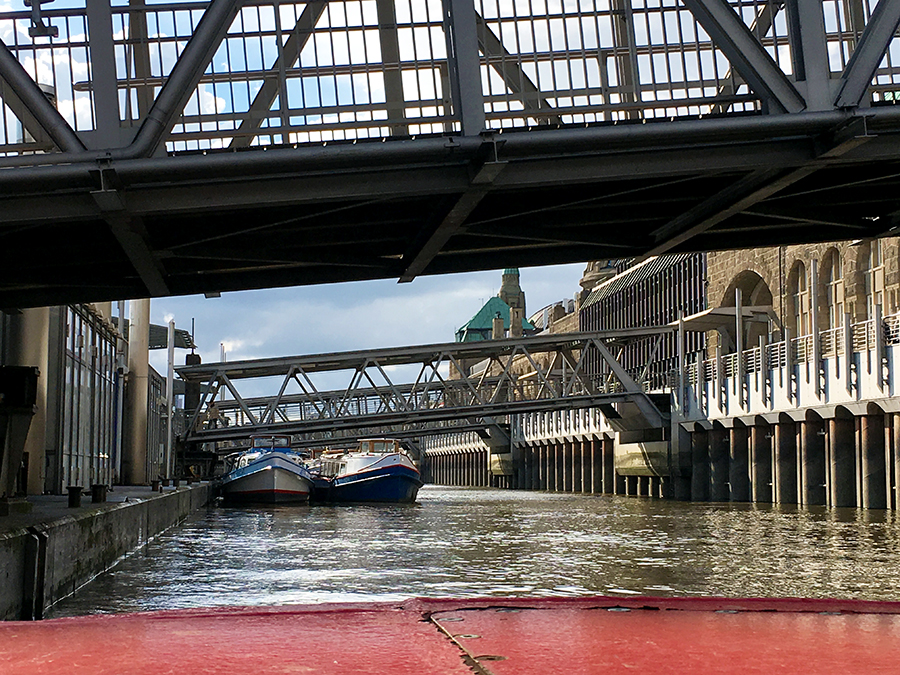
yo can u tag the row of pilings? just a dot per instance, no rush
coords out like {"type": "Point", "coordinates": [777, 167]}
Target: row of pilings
{"type": "Point", "coordinates": [584, 466]}
{"type": "Point", "coordinates": [844, 460]}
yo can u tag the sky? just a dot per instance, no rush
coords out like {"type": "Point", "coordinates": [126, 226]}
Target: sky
{"type": "Point", "coordinates": [350, 316]}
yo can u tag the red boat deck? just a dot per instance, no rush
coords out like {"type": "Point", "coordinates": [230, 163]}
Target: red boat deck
{"type": "Point", "coordinates": [490, 636]}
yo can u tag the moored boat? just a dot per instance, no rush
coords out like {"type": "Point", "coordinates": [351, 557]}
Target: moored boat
{"type": "Point", "coordinates": [269, 472]}
{"type": "Point", "coordinates": [377, 471]}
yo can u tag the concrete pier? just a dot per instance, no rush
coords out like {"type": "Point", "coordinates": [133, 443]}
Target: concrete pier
{"type": "Point", "coordinates": [48, 553]}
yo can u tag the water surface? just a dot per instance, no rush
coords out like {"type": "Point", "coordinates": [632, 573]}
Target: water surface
{"type": "Point", "coordinates": [465, 542]}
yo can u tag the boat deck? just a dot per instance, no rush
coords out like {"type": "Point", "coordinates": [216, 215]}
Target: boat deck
{"type": "Point", "coordinates": [489, 636]}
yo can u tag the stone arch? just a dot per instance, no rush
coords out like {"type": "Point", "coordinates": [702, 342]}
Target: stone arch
{"type": "Point", "coordinates": [755, 292]}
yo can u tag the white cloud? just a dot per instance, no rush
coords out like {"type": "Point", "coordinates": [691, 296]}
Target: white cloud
{"type": "Point", "coordinates": [345, 317]}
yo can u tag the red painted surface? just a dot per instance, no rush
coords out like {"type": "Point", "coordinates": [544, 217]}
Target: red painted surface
{"type": "Point", "coordinates": [501, 636]}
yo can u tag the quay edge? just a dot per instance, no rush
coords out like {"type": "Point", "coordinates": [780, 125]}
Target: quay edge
{"type": "Point", "coordinates": [44, 562]}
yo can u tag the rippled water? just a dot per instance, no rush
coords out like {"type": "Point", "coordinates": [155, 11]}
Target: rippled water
{"type": "Point", "coordinates": [478, 542]}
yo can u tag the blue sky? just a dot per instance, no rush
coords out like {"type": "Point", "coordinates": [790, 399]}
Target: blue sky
{"type": "Point", "coordinates": [342, 317]}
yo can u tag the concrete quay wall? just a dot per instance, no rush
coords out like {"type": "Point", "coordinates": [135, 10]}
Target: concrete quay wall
{"type": "Point", "coordinates": [44, 563]}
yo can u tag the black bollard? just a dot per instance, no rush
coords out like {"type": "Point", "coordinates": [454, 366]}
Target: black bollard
{"type": "Point", "coordinates": [74, 496]}
{"type": "Point", "coordinates": [98, 494]}
{"type": "Point", "coordinates": [154, 486]}
{"type": "Point", "coordinates": [176, 482]}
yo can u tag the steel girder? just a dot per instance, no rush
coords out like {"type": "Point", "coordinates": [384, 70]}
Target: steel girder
{"type": "Point", "coordinates": [586, 171]}
{"type": "Point", "coordinates": [513, 375]}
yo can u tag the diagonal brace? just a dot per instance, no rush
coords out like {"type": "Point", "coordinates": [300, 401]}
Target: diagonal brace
{"type": "Point", "coordinates": [746, 54]}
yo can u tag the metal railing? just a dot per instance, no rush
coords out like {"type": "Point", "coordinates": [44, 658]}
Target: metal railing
{"type": "Point", "coordinates": [774, 355]}
{"type": "Point", "coordinates": [313, 72]}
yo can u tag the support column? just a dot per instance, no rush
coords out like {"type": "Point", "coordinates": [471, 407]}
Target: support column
{"type": "Point", "coordinates": [700, 465]}
{"type": "Point", "coordinates": [631, 486]}
{"type": "Point", "coordinates": [609, 466]}
{"type": "Point", "coordinates": [896, 456]}
{"type": "Point", "coordinates": [551, 467]}
{"type": "Point", "coordinates": [785, 463]}
{"type": "Point", "coordinates": [739, 464]}
{"type": "Point", "coordinates": [874, 475]}
{"type": "Point", "coordinates": [841, 436]}
{"type": "Point", "coordinates": [718, 464]}
{"type": "Point", "coordinates": [526, 469]}
{"type": "Point", "coordinates": [577, 467]}
{"type": "Point", "coordinates": [560, 454]}
{"type": "Point", "coordinates": [812, 456]}
{"type": "Point", "coordinates": [761, 463]}
{"type": "Point", "coordinates": [569, 466]}
{"type": "Point", "coordinates": [134, 460]}
{"type": "Point", "coordinates": [597, 465]}
{"type": "Point", "coordinates": [541, 467]}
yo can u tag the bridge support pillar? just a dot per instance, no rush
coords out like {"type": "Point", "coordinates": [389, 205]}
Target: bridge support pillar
{"type": "Point", "coordinates": [874, 483]}
{"type": "Point", "coordinates": [587, 467]}
{"type": "Point", "coordinates": [761, 463]}
{"type": "Point", "coordinates": [841, 437]}
{"type": "Point", "coordinates": [739, 464]}
{"type": "Point", "coordinates": [597, 465]}
{"type": "Point", "coordinates": [577, 467]}
{"type": "Point", "coordinates": [523, 479]}
{"type": "Point", "coordinates": [896, 457]}
{"type": "Point", "coordinates": [609, 466]}
{"type": "Point", "coordinates": [560, 455]}
{"type": "Point", "coordinates": [632, 486]}
{"type": "Point", "coordinates": [700, 465]}
{"type": "Point", "coordinates": [483, 476]}
{"type": "Point", "coordinates": [678, 485]}
{"type": "Point", "coordinates": [785, 463]}
{"type": "Point", "coordinates": [812, 458]}
{"type": "Point", "coordinates": [540, 468]}
{"type": "Point", "coordinates": [718, 464]}
{"type": "Point", "coordinates": [551, 467]}
{"type": "Point", "coordinates": [569, 466]}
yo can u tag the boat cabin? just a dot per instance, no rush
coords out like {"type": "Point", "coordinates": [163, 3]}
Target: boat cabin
{"type": "Point", "coordinates": [270, 442]}
{"type": "Point", "coordinates": [379, 445]}
{"type": "Point", "coordinates": [367, 453]}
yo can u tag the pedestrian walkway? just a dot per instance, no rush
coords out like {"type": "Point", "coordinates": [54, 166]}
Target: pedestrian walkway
{"type": "Point", "coordinates": [49, 508]}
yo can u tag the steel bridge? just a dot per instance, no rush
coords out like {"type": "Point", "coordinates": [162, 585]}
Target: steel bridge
{"type": "Point", "coordinates": [417, 390]}
{"type": "Point", "coordinates": [196, 147]}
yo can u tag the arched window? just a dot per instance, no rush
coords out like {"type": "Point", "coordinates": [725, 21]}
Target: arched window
{"type": "Point", "coordinates": [799, 289]}
{"type": "Point", "coordinates": [873, 277]}
{"type": "Point", "coordinates": [834, 290]}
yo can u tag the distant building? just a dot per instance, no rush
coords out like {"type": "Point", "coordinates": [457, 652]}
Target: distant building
{"type": "Point", "coordinates": [508, 305]}
{"type": "Point", "coordinates": [652, 293]}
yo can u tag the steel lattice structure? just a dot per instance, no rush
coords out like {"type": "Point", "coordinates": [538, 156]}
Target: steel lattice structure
{"type": "Point", "coordinates": [186, 147]}
{"type": "Point", "coordinates": [513, 375]}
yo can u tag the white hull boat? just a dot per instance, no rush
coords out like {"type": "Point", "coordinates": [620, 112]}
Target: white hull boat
{"type": "Point", "coordinates": [270, 472]}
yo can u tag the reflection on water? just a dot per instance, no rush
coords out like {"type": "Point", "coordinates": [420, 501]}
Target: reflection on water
{"type": "Point", "coordinates": [478, 542]}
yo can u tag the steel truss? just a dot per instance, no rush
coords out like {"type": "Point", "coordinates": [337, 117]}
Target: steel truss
{"type": "Point", "coordinates": [198, 147]}
{"type": "Point", "coordinates": [512, 375]}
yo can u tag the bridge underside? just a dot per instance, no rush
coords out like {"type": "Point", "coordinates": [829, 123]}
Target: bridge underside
{"type": "Point", "coordinates": [215, 148]}
{"type": "Point", "coordinates": [227, 221]}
